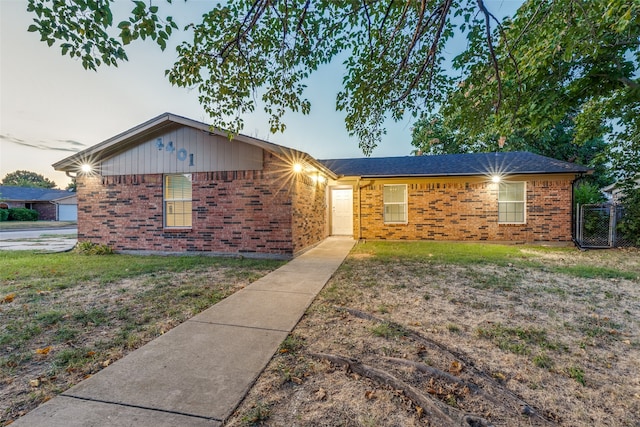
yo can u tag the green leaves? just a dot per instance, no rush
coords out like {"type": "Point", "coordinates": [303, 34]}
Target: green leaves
{"type": "Point", "coordinates": [23, 178]}
{"type": "Point", "coordinates": [555, 59]}
{"type": "Point", "coordinates": [242, 52]}
{"type": "Point", "coordinates": [247, 51]}
{"type": "Point", "coordinates": [82, 27]}
{"type": "Point", "coordinates": [569, 72]}
{"type": "Point", "coordinates": [144, 22]}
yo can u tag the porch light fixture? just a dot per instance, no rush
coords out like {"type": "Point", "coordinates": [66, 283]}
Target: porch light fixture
{"type": "Point", "coordinates": [297, 167]}
{"type": "Point", "coordinates": [495, 178]}
{"type": "Point", "coordinates": [86, 168]}
{"type": "Point", "coordinates": [318, 178]}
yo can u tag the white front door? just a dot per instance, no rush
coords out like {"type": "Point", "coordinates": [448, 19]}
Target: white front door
{"type": "Point", "coordinates": [342, 211]}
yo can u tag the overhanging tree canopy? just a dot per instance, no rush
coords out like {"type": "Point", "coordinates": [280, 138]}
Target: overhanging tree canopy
{"type": "Point", "coordinates": [555, 59]}
{"type": "Point", "coordinates": [394, 52]}
{"type": "Point", "coordinates": [555, 56]}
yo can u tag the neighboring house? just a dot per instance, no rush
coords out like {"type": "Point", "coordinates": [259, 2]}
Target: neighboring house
{"type": "Point", "coordinates": [46, 201]}
{"type": "Point", "coordinates": [615, 192]}
{"type": "Point", "coordinates": [172, 185]}
{"type": "Point", "coordinates": [67, 207]}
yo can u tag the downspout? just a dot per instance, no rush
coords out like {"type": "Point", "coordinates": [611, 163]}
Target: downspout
{"type": "Point", "coordinates": [574, 226]}
{"type": "Point", "coordinates": [56, 205]}
{"type": "Point", "coordinates": [359, 210]}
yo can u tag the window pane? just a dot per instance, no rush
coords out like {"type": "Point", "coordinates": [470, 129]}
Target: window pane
{"type": "Point", "coordinates": [511, 212]}
{"type": "Point", "coordinates": [511, 202]}
{"type": "Point", "coordinates": [511, 192]}
{"type": "Point", "coordinates": [394, 213]}
{"type": "Point", "coordinates": [177, 187]}
{"type": "Point", "coordinates": [181, 214]}
{"type": "Point", "coordinates": [177, 201]}
{"type": "Point", "coordinates": [395, 203]}
{"type": "Point", "coordinates": [394, 193]}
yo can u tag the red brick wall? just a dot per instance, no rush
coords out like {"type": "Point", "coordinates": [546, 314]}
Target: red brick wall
{"type": "Point", "coordinates": [309, 212]}
{"type": "Point", "coordinates": [468, 210]}
{"type": "Point", "coordinates": [233, 212]}
{"type": "Point", "coordinates": [46, 210]}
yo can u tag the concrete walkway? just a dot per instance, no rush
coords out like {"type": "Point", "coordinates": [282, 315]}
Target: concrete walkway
{"type": "Point", "coordinates": [40, 239]}
{"type": "Point", "coordinates": [197, 373]}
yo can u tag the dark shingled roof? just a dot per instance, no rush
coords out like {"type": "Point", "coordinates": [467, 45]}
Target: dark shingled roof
{"type": "Point", "coordinates": [518, 162]}
{"type": "Point", "coordinates": [29, 194]}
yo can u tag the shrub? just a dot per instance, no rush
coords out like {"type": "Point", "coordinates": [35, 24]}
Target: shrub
{"type": "Point", "coordinates": [629, 227]}
{"type": "Point", "coordinates": [4, 214]}
{"type": "Point", "coordinates": [22, 214]}
{"type": "Point", "coordinates": [89, 248]}
{"type": "Point", "coordinates": [587, 193]}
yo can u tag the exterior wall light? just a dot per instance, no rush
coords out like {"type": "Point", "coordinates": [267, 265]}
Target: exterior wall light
{"type": "Point", "coordinates": [86, 168]}
{"type": "Point", "coordinates": [317, 178]}
{"type": "Point", "coordinates": [496, 178]}
{"type": "Point", "coordinates": [297, 167]}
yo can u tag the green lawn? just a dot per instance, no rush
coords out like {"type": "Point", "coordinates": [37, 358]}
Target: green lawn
{"type": "Point", "coordinates": [591, 264]}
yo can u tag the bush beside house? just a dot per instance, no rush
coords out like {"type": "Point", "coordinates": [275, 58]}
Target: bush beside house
{"type": "Point", "coordinates": [18, 214]}
{"type": "Point", "coordinates": [22, 214]}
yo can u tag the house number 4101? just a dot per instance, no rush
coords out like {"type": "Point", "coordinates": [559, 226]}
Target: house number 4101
{"type": "Point", "coordinates": [181, 153]}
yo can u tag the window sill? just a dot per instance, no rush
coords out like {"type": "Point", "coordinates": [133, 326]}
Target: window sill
{"type": "Point", "coordinates": [176, 229]}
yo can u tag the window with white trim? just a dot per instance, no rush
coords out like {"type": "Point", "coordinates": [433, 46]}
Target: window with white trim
{"type": "Point", "coordinates": [512, 198]}
{"type": "Point", "coordinates": [395, 204]}
{"type": "Point", "coordinates": [177, 201]}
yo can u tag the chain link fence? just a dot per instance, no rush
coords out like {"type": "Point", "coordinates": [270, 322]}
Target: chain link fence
{"type": "Point", "coordinates": [597, 226]}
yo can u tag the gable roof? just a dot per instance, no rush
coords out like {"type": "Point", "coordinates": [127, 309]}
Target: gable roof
{"type": "Point", "coordinates": [30, 194]}
{"type": "Point", "coordinates": [164, 122]}
{"type": "Point", "coordinates": [518, 162]}
{"type": "Point", "coordinates": [408, 166]}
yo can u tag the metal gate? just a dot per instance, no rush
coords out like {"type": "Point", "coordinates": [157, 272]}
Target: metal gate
{"type": "Point", "coordinates": [596, 226]}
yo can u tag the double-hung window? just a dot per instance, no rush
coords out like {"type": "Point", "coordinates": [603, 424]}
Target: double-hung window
{"type": "Point", "coordinates": [395, 204]}
{"type": "Point", "coordinates": [177, 200]}
{"type": "Point", "coordinates": [512, 198]}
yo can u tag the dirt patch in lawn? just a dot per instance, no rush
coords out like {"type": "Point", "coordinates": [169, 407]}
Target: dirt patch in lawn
{"type": "Point", "coordinates": [415, 343]}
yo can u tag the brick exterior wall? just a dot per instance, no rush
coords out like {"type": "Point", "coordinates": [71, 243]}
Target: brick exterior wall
{"type": "Point", "coordinates": [239, 212]}
{"type": "Point", "coordinates": [309, 213]}
{"type": "Point", "coordinates": [46, 211]}
{"type": "Point", "coordinates": [468, 210]}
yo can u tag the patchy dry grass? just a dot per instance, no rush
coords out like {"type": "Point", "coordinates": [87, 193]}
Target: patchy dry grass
{"type": "Point", "coordinates": [515, 335]}
{"type": "Point", "coordinates": [67, 316]}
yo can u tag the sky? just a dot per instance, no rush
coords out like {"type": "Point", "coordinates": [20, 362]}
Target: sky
{"type": "Point", "coordinates": [50, 107]}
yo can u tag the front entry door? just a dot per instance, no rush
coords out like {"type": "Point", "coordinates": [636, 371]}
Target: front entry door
{"type": "Point", "coordinates": [342, 211]}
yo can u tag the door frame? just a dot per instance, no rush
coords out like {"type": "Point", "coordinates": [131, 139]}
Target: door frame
{"type": "Point", "coordinates": [330, 204]}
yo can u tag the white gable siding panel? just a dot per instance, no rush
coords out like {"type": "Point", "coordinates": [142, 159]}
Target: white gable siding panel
{"type": "Point", "coordinates": [185, 150]}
